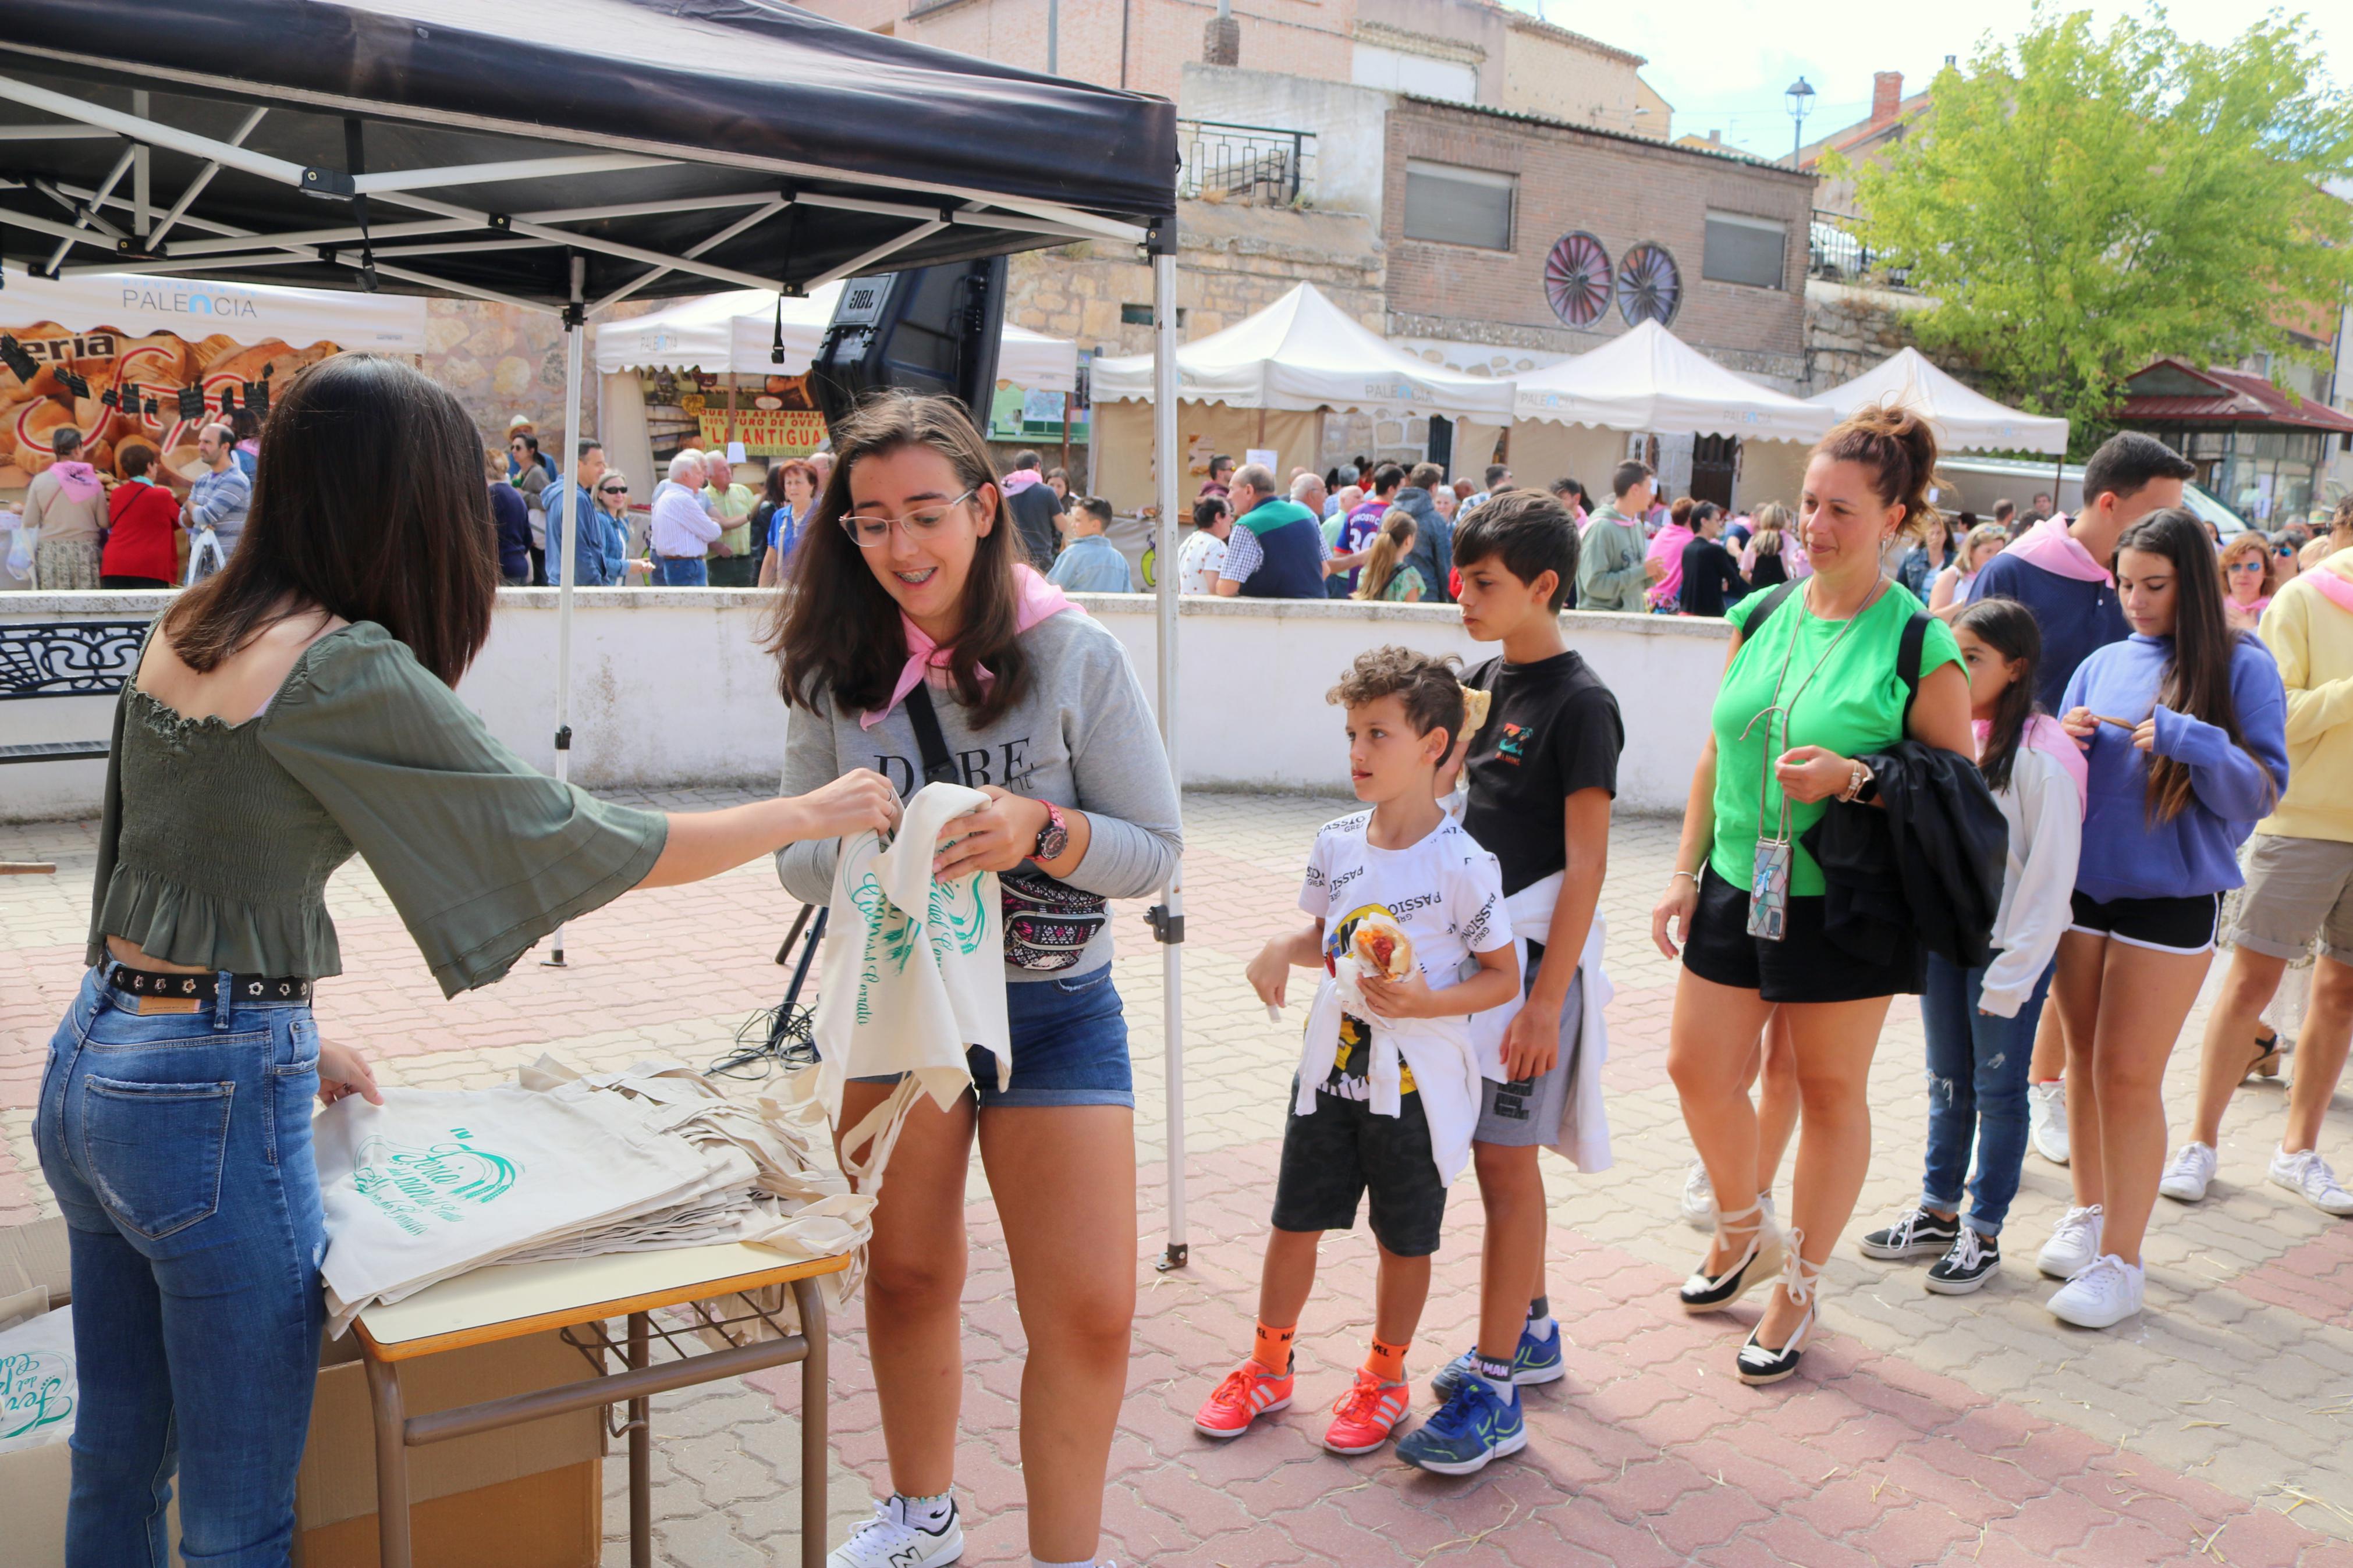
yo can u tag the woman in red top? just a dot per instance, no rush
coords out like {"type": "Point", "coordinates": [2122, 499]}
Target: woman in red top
{"type": "Point", "coordinates": [139, 517]}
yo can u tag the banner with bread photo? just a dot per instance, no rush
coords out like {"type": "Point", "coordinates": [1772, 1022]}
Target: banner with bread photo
{"type": "Point", "coordinates": [122, 391]}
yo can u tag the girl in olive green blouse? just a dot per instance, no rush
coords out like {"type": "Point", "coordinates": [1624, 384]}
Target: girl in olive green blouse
{"type": "Point", "coordinates": [291, 710]}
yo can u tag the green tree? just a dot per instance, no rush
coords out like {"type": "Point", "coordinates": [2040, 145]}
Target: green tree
{"type": "Point", "coordinates": [2079, 204]}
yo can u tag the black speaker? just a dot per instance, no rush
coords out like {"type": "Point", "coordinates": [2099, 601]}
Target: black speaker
{"type": "Point", "coordinates": [931, 329]}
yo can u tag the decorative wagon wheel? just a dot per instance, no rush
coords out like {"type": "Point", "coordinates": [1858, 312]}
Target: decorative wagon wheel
{"type": "Point", "coordinates": [1577, 278]}
{"type": "Point", "coordinates": [1649, 285]}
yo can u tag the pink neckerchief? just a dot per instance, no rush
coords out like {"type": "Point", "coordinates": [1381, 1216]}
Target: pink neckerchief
{"type": "Point", "coordinates": [2050, 546]}
{"type": "Point", "coordinates": [1021, 479]}
{"type": "Point", "coordinates": [2330, 586]}
{"type": "Point", "coordinates": [78, 480]}
{"type": "Point", "coordinates": [2043, 734]}
{"type": "Point", "coordinates": [1040, 601]}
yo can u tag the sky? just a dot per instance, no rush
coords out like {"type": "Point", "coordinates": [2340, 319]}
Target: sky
{"type": "Point", "coordinates": [1725, 64]}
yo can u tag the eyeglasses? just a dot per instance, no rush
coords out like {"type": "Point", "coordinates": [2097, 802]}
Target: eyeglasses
{"type": "Point", "coordinates": [872, 532]}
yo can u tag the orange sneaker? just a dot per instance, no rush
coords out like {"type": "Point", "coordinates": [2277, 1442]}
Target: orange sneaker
{"type": "Point", "coordinates": [1248, 1391]}
{"type": "Point", "coordinates": [1367, 1415]}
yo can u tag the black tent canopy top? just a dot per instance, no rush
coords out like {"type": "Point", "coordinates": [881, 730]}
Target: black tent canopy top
{"type": "Point", "coordinates": [449, 147]}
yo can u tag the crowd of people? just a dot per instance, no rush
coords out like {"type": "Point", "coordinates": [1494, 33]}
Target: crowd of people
{"type": "Point", "coordinates": [2039, 807]}
{"type": "Point", "coordinates": [148, 528]}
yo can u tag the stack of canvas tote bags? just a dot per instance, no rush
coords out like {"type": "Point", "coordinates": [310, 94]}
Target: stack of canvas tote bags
{"type": "Point", "coordinates": [433, 1184]}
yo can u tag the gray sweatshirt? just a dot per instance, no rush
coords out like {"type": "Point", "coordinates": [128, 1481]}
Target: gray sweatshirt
{"type": "Point", "coordinates": [1084, 737]}
{"type": "Point", "coordinates": [1610, 575]}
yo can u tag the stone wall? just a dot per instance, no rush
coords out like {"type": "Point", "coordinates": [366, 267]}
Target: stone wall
{"type": "Point", "coordinates": [1850, 328]}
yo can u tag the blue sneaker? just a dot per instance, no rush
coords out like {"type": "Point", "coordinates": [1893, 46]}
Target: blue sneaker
{"type": "Point", "coordinates": [1535, 1360]}
{"type": "Point", "coordinates": [1473, 1426]}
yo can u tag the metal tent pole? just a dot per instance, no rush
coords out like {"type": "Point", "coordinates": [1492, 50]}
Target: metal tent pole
{"type": "Point", "coordinates": [575, 527]}
{"type": "Point", "coordinates": [1168, 918]}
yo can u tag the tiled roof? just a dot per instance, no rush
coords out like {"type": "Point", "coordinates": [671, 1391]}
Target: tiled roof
{"type": "Point", "coordinates": [2234, 397]}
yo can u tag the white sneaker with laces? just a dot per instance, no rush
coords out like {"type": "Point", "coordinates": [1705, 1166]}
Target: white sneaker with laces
{"type": "Point", "coordinates": [2306, 1174]}
{"type": "Point", "coordinates": [2190, 1171]}
{"type": "Point", "coordinates": [2046, 1118]}
{"type": "Point", "coordinates": [890, 1540]}
{"type": "Point", "coordinates": [2075, 1243]}
{"type": "Point", "coordinates": [1699, 1198]}
{"type": "Point", "coordinates": [2107, 1293]}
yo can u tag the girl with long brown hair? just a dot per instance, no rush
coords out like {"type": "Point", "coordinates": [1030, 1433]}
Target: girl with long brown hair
{"type": "Point", "coordinates": [1386, 574]}
{"type": "Point", "coordinates": [1813, 683]}
{"type": "Point", "coordinates": [2183, 726]}
{"type": "Point", "coordinates": [909, 594]}
{"type": "Point", "coordinates": [293, 709]}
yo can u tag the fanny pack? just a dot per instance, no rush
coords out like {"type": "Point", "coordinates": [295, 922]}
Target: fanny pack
{"type": "Point", "coordinates": [1048, 922]}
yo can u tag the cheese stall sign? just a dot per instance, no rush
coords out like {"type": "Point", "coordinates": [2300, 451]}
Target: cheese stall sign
{"type": "Point", "coordinates": [764, 431]}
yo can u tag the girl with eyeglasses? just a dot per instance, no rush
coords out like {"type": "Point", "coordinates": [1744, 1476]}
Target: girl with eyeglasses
{"type": "Point", "coordinates": [911, 589]}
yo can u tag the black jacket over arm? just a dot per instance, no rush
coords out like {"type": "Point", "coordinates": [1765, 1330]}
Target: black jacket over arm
{"type": "Point", "coordinates": [1928, 865]}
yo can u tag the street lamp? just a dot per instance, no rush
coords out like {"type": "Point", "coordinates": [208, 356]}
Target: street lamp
{"type": "Point", "coordinates": [1800, 98]}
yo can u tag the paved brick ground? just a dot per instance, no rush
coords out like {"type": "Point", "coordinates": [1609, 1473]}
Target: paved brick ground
{"type": "Point", "coordinates": [1923, 1430]}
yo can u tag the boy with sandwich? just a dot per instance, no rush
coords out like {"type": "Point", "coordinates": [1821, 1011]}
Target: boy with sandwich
{"type": "Point", "coordinates": [1541, 771]}
{"type": "Point", "coordinates": [1400, 903]}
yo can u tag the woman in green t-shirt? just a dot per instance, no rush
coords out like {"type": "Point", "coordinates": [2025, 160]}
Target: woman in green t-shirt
{"type": "Point", "coordinates": [1811, 686]}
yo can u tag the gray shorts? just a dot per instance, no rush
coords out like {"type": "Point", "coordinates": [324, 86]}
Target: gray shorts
{"type": "Point", "coordinates": [2295, 887]}
{"type": "Point", "coordinates": [1529, 1111]}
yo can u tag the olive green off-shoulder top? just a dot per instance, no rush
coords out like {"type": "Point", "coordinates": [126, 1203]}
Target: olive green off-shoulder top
{"type": "Point", "coordinates": [218, 838]}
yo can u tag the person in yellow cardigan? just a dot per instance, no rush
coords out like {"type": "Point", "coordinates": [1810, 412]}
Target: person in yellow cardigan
{"type": "Point", "coordinates": [2299, 885]}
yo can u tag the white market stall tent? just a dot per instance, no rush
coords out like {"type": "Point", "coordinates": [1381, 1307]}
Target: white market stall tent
{"type": "Point", "coordinates": [1649, 380]}
{"type": "Point", "coordinates": [1965, 419]}
{"type": "Point", "coordinates": [1265, 382]}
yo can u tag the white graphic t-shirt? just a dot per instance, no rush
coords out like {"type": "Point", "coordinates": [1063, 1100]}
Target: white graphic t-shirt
{"type": "Point", "coordinates": [1447, 893]}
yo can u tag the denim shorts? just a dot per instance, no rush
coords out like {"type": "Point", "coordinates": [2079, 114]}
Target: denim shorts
{"type": "Point", "coordinates": [1070, 1045]}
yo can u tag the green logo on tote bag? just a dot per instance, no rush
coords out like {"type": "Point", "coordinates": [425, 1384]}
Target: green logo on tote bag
{"type": "Point", "coordinates": [37, 1389]}
{"type": "Point", "coordinates": [414, 1187]}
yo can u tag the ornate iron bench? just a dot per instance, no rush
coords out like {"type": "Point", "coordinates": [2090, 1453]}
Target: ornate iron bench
{"type": "Point", "coordinates": [65, 659]}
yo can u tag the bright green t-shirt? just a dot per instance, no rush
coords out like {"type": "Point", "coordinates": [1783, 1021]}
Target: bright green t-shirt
{"type": "Point", "coordinates": [1855, 704]}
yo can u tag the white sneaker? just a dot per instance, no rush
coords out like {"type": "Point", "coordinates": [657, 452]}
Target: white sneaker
{"type": "Point", "coordinates": [1699, 1198]}
{"type": "Point", "coordinates": [889, 1540]}
{"type": "Point", "coordinates": [2075, 1243]}
{"type": "Point", "coordinates": [2104, 1294]}
{"type": "Point", "coordinates": [2308, 1176]}
{"type": "Point", "coordinates": [2046, 1118]}
{"type": "Point", "coordinates": [2190, 1171]}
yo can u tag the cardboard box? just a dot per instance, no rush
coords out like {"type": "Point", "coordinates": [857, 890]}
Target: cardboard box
{"type": "Point", "coordinates": [529, 1496]}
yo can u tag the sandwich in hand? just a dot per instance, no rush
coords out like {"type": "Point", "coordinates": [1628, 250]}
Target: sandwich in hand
{"type": "Point", "coordinates": [1382, 948]}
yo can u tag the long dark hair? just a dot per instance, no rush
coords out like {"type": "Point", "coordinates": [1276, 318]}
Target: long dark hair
{"type": "Point", "coordinates": [2009, 628]}
{"type": "Point", "coordinates": [368, 503]}
{"type": "Point", "coordinates": [836, 630]}
{"type": "Point", "coordinates": [2198, 675]}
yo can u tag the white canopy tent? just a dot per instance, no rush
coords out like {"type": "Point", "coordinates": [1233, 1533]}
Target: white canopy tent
{"type": "Point", "coordinates": [1964, 419]}
{"type": "Point", "coordinates": [1265, 382]}
{"type": "Point", "coordinates": [736, 333]}
{"type": "Point", "coordinates": [1649, 379]}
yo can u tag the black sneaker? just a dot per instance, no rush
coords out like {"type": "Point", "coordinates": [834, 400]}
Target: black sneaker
{"type": "Point", "coordinates": [1965, 1267]}
{"type": "Point", "coordinates": [1918, 1234]}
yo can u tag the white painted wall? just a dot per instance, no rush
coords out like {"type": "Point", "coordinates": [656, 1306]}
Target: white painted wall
{"type": "Point", "coordinates": [671, 688]}
{"type": "Point", "coordinates": [1350, 123]}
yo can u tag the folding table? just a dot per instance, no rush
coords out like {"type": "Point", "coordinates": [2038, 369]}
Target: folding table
{"type": "Point", "coordinates": [579, 1296]}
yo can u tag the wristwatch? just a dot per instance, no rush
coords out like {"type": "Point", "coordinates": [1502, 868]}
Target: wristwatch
{"type": "Point", "coordinates": [1054, 838]}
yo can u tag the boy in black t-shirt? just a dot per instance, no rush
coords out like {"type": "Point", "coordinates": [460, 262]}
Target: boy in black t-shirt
{"type": "Point", "coordinates": [1542, 772]}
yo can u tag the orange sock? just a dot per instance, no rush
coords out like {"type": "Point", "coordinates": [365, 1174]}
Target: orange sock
{"type": "Point", "coordinates": [1271, 1348]}
{"type": "Point", "coordinates": [1386, 1362]}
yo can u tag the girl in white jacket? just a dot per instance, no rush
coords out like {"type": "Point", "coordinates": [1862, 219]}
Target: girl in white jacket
{"type": "Point", "coordinates": [1981, 1022]}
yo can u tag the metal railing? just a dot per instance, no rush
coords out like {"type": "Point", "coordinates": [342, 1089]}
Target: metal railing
{"type": "Point", "coordinates": [1834, 251]}
{"type": "Point", "coordinates": [1249, 162]}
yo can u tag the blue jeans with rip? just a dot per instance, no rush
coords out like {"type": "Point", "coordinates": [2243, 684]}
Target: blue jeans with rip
{"type": "Point", "coordinates": [1976, 1093]}
{"type": "Point", "coordinates": [178, 1144]}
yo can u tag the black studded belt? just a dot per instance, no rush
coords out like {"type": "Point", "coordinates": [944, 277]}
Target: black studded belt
{"type": "Point", "coordinates": [202, 988]}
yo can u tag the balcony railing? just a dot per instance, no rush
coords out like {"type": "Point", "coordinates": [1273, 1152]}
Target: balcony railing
{"type": "Point", "coordinates": [1836, 252]}
{"type": "Point", "coordinates": [1243, 163]}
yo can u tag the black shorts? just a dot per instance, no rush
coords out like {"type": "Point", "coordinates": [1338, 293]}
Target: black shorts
{"type": "Point", "coordinates": [1803, 967]}
{"type": "Point", "coordinates": [2166, 925]}
{"type": "Point", "coordinates": [1341, 1152]}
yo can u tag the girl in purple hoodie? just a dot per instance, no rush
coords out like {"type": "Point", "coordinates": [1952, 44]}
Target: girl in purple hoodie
{"type": "Point", "coordinates": [2183, 726]}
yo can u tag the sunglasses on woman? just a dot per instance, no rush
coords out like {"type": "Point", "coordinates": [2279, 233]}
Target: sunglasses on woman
{"type": "Point", "coordinates": [870, 532]}
{"type": "Point", "coordinates": [2248, 565]}
{"type": "Point", "coordinates": [612, 490]}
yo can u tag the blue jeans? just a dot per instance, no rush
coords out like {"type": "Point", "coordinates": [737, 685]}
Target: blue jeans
{"type": "Point", "coordinates": [675, 573]}
{"type": "Point", "coordinates": [179, 1147]}
{"type": "Point", "coordinates": [1070, 1045]}
{"type": "Point", "coordinates": [1976, 1093]}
